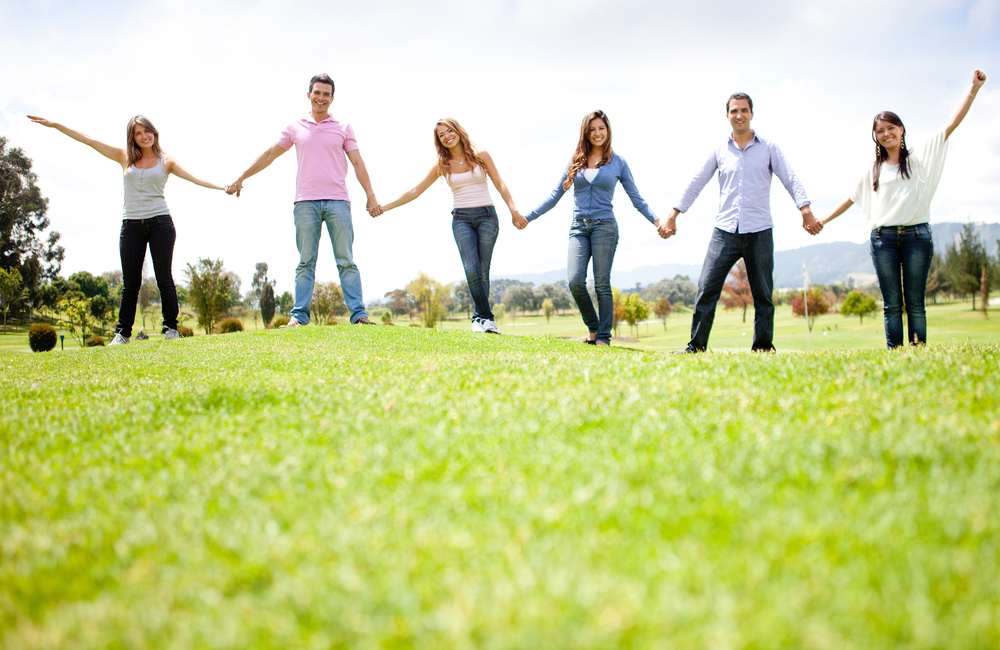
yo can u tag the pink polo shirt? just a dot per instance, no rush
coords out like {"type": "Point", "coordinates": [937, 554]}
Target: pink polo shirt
{"type": "Point", "coordinates": [321, 150]}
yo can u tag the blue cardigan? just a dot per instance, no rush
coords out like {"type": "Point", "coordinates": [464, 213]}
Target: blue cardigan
{"type": "Point", "coordinates": [593, 200]}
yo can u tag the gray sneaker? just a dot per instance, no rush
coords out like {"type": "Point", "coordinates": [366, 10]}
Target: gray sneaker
{"type": "Point", "coordinates": [490, 327]}
{"type": "Point", "coordinates": [477, 325]}
{"type": "Point", "coordinates": [171, 334]}
{"type": "Point", "coordinates": [118, 340]}
{"type": "Point", "coordinates": [291, 323]}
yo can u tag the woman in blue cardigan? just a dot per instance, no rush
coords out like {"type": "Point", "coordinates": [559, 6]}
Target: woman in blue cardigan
{"type": "Point", "coordinates": [593, 174]}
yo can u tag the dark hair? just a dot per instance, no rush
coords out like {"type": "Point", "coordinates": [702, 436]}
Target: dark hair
{"type": "Point", "coordinates": [133, 151]}
{"type": "Point", "coordinates": [583, 147]}
{"type": "Point", "coordinates": [881, 154]}
{"type": "Point", "coordinates": [322, 78]}
{"type": "Point", "coordinates": [739, 96]}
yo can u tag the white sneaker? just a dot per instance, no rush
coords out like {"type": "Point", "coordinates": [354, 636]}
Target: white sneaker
{"type": "Point", "coordinates": [171, 334]}
{"type": "Point", "coordinates": [477, 325]}
{"type": "Point", "coordinates": [118, 340]}
{"type": "Point", "coordinates": [490, 326]}
{"type": "Point", "coordinates": [291, 323]}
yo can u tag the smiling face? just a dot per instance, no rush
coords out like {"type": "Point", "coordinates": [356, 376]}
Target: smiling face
{"type": "Point", "coordinates": [739, 115]}
{"type": "Point", "coordinates": [143, 137]}
{"type": "Point", "coordinates": [320, 98]}
{"type": "Point", "coordinates": [447, 136]}
{"type": "Point", "coordinates": [597, 132]}
{"type": "Point", "coordinates": [888, 135]}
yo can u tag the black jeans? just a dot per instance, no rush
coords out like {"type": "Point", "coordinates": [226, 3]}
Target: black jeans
{"type": "Point", "coordinates": [159, 234]}
{"type": "Point", "coordinates": [724, 250]}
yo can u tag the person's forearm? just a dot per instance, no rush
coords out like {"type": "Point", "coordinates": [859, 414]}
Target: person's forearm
{"type": "Point", "coordinates": [839, 210]}
{"type": "Point", "coordinates": [258, 165]}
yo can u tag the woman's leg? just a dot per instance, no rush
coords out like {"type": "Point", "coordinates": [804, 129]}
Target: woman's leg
{"type": "Point", "coordinates": [162, 236]}
{"type": "Point", "coordinates": [885, 257]}
{"type": "Point", "coordinates": [603, 244]}
{"type": "Point", "coordinates": [915, 253]}
{"type": "Point", "coordinates": [487, 229]}
{"type": "Point", "coordinates": [132, 249]}
{"type": "Point", "coordinates": [576, 270]}
{"type": "Point", "coordinates": [467, 240]}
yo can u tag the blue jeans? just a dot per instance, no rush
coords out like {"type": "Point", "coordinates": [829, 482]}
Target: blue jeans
{"type": "Point", "coordinates": [902, 258]}
{"type": "Point", "coordinates": [309, 219]}
{"type": "Point", "coordinates": [476, 231]}
{"type": "Point", "coordinates": [597, 239]}
{"type": "Point", "coordinates": [159, 234]}
{"type": "Point", "coordinates": [724, 250]}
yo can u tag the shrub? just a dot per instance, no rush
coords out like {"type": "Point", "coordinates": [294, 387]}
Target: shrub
{"type": "Point", "coordinates": [279, 322]}
{"type": "Point", "coordinates": [387, 317]}
{"type": "Point", "coordinates": [332, 321]}
{"type": "Point", "coordinates": [230, 325]}
{"type": "Point", "coordinates": [42, 337]}
{"type": "Point", "coordinates": [95, 341]}
{"type": "Point", "coordinates": [185, 332]}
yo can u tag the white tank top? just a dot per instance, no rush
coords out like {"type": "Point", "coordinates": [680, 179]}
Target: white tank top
{"type": "Point", "coordinates": [144, 192]}
{"type": "Point", "coordinates": [470, 189]}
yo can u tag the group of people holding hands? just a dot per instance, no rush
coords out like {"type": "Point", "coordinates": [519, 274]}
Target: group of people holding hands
{"type": "Point", "coordinates": [895, 194]}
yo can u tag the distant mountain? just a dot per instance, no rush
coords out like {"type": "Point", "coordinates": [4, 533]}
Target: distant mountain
{"type": "Point", "coordinates": [831, 263]}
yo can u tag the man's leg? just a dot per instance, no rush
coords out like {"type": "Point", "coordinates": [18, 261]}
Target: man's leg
{"type": "Point", "coordinates": [758, 254]}
{"type": "Point", "coordinates": [308, 224]}
{"type": "Point", "coordinates": [337, 215]}
{"type": "Point", "coordinates": [724, 250]}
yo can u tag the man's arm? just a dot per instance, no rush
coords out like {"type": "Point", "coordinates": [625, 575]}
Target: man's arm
{"type": "Point", "coordinates": [694, 188]}
{"type": "Point", "coordinates": [374, 209]}
{"type": "Point", "coordinates": [261, 163]}
{"type": "Point", "coordinates": [788, 178]}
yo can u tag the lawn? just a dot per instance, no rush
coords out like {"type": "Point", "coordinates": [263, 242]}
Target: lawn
{"type": "Point", "coordinates": [380, 487]}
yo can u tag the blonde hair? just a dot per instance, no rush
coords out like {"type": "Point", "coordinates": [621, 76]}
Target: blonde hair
{"type": "Point", "coordinates": [134, 151]}
{"type": "Point", "coordinates": [444, 154]}
{"type": "Point", "coordinates": [584, 147]}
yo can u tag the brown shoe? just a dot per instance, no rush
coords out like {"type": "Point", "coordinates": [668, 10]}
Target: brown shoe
{"type": "Point", "coordinates": [363, 321]}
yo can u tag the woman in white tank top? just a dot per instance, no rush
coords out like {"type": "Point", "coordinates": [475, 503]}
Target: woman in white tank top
{"type": "Point", "coordinates": [474, 221]}
{"type": "Point", "coordinates": [146, 220]}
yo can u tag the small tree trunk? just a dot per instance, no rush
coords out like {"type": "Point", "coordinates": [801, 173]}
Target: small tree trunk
{"type": "Point", "coordinates": [984, 291]}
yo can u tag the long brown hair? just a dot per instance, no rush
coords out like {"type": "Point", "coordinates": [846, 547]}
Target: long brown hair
{"type": "Point", "coordinates": [882, 154]}
{"type": "Point", "coordinates": [134, 151]}
{"type": "Point", "coordinates": [583, 148]}
{"type": "Point", "coordinates": [444, 153]}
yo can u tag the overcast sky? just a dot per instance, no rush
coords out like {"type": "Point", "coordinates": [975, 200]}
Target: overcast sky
{"type": "Point", "coordinates": [220, 79]}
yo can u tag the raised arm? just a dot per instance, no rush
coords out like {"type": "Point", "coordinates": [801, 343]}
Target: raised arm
{"type": "Point", "coordinates": [411, 194]}
{"type": "Point", "coordinates": [491, 169]}
{"type": "Point", "coordinates": [112, 153]}
{"type": "Point", "coordinates": [173, 167]}
{"type": "Point", "coordinates": [260, 164]}
{"type": "Point", "coordinates": [839, 210]}
{"type": "Point", "coordinates": [978, 79]}
{"type": "Point", "coordinates": [374, 209]}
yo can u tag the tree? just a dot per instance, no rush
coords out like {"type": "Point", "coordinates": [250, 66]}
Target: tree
{"type": "Point", "coordinates": [964, 263]}
{"type": "Point", "coordinates": [858, 303]}
{"type": "Point", "coordinates": [328, 301]}
{"type": "Point", "coordinates": [547, 308]}
{"type": "Point", "coordinates": [430, 295]}
{"type": "Point", "coordinates": [285, 303]}
{"type": "Point", "coordinates": [662, 310]}
{"type": "Point", "coordinates": [267, 302]}
{"type": "Point", "coordinates": [399, 302]}
{"type": "Point", "coordinates": [521, 297]}
{"type": "Point", "coordinates": [10, 291]}
{"type": "Point", "coordinates": [736, 292]}
{"type": "Point", "coordinates": [558, 293]}
{"type": "Point", "coordinates": [817, 304]}
{"type": "Point", "coordinates": [77, 311]}
{"type": "Point", "coordinates": [679, 291]}
{"type": "Point", "coordinates": [22, 222]}
{"type": "Point", "coordinates": [102, 309]}
{"type": "Point", "coordinates": [462, 297]}
{"type": "Point", "coordinates": [619, 308]}
{"type": "Point", "coordinates": [210, 290]}
{"type": "Point", "coordinates": [635, 311]}
{"type": "Point", "coordinates": [258, 282]}
{"type": "Point", "coordinates": [937, 278]}
{"type": "Point", "coordinates": [91, 285]}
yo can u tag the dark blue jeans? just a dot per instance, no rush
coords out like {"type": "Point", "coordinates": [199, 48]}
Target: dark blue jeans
{"type": "Point", "coordinates": [158, 233]}
{"type": "Point", "coordinates": [902, 258]}
{"type": "Point", "coordinates": [476, 231]}
{"type": "Point", "coordinates": [597, 239]}
{"type": "Point", "coordinates": [724, 250]}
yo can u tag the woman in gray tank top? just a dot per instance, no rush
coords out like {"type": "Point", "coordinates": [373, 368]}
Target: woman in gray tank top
{"type": "Point", "coordinates": [145, 218]}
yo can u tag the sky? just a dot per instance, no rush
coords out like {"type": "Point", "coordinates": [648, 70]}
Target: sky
{"type": "Point", "coordinates": [220, 79]}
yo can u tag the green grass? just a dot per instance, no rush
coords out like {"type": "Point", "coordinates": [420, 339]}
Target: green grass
{"type": "Point", "coordinates": [376, 487]}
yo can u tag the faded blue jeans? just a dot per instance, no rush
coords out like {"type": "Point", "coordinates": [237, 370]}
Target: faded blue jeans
{"type": "Point", "coordinates": [476, 231]}
{"type": "Point", "coordinates": [724, 250]}
{"type": "Point", "coordinates": [902, 259]}
{"type": "Point", "coordinates": [309, 219]}
{"type": "Point", "coordinates": [597, 239]}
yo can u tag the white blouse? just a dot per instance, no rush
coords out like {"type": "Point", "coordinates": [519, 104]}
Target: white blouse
{"type": "Point", "coordinates": [904, 201]}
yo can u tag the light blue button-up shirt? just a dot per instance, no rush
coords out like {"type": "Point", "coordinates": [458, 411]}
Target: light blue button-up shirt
{"type": "Point", "coordinates": [745, 184]}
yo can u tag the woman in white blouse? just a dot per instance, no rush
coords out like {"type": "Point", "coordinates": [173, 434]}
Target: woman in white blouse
{"type": "Point", "coordinates": [895, 195]}
{"type": "Point", "coordinates": [474, 219]}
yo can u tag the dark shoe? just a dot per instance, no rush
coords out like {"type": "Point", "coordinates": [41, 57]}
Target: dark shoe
{"type": "Point", "coordinates": [688, 350]}
{"type": "Point", "coordinates": [590, 342]}
{"type": "Point", "coordinates": [363, 321]}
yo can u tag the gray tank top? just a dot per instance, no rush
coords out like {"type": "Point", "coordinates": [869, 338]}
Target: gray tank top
{"type": "Point", "coordinates": [144, 192]}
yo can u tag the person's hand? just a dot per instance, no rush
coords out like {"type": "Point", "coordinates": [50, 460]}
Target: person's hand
{"type": "Point", "coordinates": [51, 124]}
{"type": "Point", "coordinates": [809, 222]}
{"type": "Point", "coordinates": [978, 79]}
{"type": "Point", "coordinates": [519, 221]}
{"type": "Point", "coordinates": [373, 207]}
{"type": "Point", "coordinates": [235, 188]}
{"type": "Point", "coordinates": [378, 211]}
{"type": "Point", "coordinates": [667, 228]}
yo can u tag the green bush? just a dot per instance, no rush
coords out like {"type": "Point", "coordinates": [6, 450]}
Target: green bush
{"type": "Point", "coordinates": [95, 341]}
{"type": "Point", "coordinates": [185, 332]}
{"type": "Point", "coordinates": [279, 322]}
{"type": "Point", "coordinates": [42, 337]}
{"type": "Point", "coordinates": [230, 325]}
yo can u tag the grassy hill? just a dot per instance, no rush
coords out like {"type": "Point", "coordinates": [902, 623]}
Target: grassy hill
{"type": "Point", "coordinates": [380, 487]}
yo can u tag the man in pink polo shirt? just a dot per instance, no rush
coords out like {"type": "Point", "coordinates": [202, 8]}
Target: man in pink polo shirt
{"type": "Point", "coordinates": [323, 146]}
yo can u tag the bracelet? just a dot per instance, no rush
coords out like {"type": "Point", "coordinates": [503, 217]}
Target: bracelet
{"type": "Point", "coordinates": [972, 96]}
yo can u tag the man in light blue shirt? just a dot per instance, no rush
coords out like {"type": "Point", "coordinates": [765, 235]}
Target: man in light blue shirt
{"type": "Point", "coordinates": [743, 225]}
